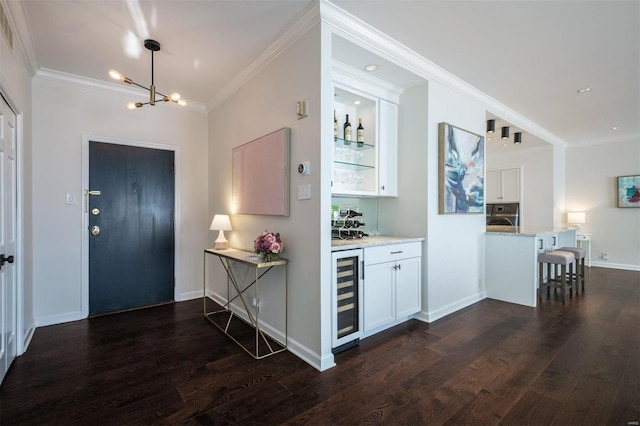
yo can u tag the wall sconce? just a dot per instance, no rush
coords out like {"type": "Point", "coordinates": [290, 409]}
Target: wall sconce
{"type": "Point", "coordinates": [505, 132]}
{"type": "Point", "coordinates": [576, 218]}
{"type": "Point", "coordinates": [221, 223]}
{"type": "Point", "coordinates": [491, 126]}
{"type": "Point", "coordinates": [517, 137]}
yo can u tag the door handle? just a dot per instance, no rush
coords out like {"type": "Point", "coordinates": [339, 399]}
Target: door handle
{"type": "Point", "coordinates": [95, 230]}
{"type": "Point", "coordinates": [8, 259]}
{"type": "Point", "coordinates": [86, 198]}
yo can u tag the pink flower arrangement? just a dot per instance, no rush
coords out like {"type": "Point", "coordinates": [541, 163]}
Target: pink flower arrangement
{"type": "Point", "coordinates": [269, 245]}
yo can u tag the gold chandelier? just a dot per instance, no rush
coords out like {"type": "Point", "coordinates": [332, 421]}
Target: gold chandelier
{"type": "Point", "coordinates": [153, 46]}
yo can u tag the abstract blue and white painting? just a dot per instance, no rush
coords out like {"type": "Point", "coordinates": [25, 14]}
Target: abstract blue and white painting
{"type": "Point", "coordinates": [628, 191]}
{"type": "Point", "coordinates": [461, 174]}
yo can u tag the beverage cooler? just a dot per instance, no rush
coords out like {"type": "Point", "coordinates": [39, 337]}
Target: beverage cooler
{"type": "Point", "coordinates": [346, 298]}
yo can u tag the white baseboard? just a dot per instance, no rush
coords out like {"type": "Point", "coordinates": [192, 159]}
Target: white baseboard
{"type": "Point", "coordinates": [27, 337]}
{"type": "Point", "coordinates": [615, 266]}
{"type": "Point", "coordinates": [58, 319]}
{"type": "Point", "coordinates": [449, 309]}
{"type": "Point", "coordinates": [190, 296]}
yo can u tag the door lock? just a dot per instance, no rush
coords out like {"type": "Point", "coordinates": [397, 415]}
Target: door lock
{"type": "Point", "coordinates": [95, 230]}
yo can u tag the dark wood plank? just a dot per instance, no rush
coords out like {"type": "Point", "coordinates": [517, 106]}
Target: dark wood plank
{"type": "Point", "coordinates": [490, 363]}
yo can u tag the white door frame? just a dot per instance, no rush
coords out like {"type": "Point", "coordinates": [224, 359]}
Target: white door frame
{"type": "Point", "coordinates": [13, 278]}
{"type": "Point", "coordinates": [85, 214]}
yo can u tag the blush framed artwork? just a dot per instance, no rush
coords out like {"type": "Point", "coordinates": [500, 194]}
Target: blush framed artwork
{"type": "Point", "coordinates": [628, 191]}
{"type": "Point", "coordinates": [460, 171]}
{"type": "Point", "coordinates": [260, 175]}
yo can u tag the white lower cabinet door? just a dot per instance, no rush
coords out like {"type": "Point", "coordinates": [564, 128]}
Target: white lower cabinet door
{"type": "Point", "coordinates": [378, 295]}
{"type": "Point", "coordinates": [408, 294]}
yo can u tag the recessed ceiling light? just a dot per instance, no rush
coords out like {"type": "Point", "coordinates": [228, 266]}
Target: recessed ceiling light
{"type": "Point", "coordinates": [371, 67]}
{"type": "Point", "coordinates": [584, 90]}
{"type": "Point", "coordinates": [615, 128]}
{"type": "Point", "coordinates": [357, 102]}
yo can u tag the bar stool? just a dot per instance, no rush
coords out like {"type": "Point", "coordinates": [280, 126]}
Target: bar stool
{"type": "Point", "coordinates": [580, 255]}
{"type": "Point", "coordinates": [556, 257]}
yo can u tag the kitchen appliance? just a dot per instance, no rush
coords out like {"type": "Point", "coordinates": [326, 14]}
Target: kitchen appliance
{"type": "Point", "coordinates": [345, 226]}
{"type": "Point", "coordinates": [504, 214]}
{"type": "Point", "coordinates": [346, 299]}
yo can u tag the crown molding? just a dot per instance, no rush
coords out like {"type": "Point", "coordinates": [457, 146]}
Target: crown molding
{"type": "Point", "coordinates": [93, 84]}
{"type": "Point", "coordinates": [22, 33]}
{"type": "Point", "coordinates": [308, 19]}
{"type": "Point", "coordinates": [361, 33]}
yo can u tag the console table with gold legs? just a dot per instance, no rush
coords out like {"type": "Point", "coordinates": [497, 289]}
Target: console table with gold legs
{"type": "Point", "coordinates": [246, 308]}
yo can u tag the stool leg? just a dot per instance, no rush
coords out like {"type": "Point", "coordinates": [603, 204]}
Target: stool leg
{"type": "Point", "coordinates": [571, 280]}
{"type": "Point", "coordinates": [563, 281]}
{"type": "Point", "coordinates": [582, 261]}
{"type": "Point", "coordinates": [540, 278]}
{"type": "Point", "coordinates": [548, 279]}
{"type": "Point", "coordinates": [578, 275]}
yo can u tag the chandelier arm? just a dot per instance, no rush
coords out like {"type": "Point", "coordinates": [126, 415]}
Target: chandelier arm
{"type": "Point", "coordinates": [140, 86]}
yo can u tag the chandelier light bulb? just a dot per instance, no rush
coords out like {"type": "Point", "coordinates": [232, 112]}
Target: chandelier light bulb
{"type": "Point", "coordinates": [181, 102]}
{"type": "Point", "coordinates": [131, 105]}
{"type": "Point", "coordinates": [115, 75]}
{"type": "Point", "coordinates": [175, 96]}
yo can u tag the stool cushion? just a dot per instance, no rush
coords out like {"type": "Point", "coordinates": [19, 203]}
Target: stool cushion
{"type": "Point", "coordinates": [556, 257]}
{"type": "Point", "coordinates": [578, 252]}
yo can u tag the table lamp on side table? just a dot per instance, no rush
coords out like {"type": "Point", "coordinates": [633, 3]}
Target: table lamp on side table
{"type": "Point", "coordinates": [221, 223]}
{"type": "Point", "coordinates": [576, 218]}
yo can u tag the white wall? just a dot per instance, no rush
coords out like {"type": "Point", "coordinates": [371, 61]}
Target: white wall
{"type": "Point", "coordinates": [62, 114]}
{"type": "Point", "coordinates": [15, 85]}
{"type": "Point", "coordinates": [591, 187]}
{"type": "Point", "coordinates": [262, 105]}
{"type": "Point", "coordinates": [537, 179]}
{"type": "Point", "coordinates": [455, 243]}
{"type": "Point", "coordinates": [406, 215]}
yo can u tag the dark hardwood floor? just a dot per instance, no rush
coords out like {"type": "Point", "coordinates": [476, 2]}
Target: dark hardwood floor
{"type": "Point", "coordinates": [576, 363]}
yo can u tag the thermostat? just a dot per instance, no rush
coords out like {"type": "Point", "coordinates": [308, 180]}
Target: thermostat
{"type": "Point", "coordinates": [304, 168]}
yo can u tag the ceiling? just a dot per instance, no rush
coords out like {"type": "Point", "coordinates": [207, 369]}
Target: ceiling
{"type": "Point", "coordinates": [532, 56]}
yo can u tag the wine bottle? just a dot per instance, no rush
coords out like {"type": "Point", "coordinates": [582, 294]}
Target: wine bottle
{"type": "Point", "coordinates": [347, 131]}
{"type": "Point", "coordinates": [360, 133]}
{"type": "Point", "coordinates": [335, 125]}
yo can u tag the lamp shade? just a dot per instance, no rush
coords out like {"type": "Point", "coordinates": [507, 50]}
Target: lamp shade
{"type": "Point", "coordinates": [221, 222]}
{"type": "Point", "coordinates": [505, 132]}
{"type": "Point", "coordinates": [576, 217]}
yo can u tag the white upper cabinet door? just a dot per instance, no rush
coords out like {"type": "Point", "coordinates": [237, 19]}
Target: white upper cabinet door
{"type": "Point", "coordinates": [510, 185]}
{"type": "Point", "coordinates": [388, 149]}
{"type": "Point", "coordinates": [502, 186]}
{"type": "Point", "coordinates": [492, 186]}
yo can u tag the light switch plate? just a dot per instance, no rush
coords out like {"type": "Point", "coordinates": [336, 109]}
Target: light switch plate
{"type": "Point", "coordinates": [304, 192]}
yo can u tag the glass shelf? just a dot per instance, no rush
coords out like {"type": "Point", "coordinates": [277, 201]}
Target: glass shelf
{"type": "Point", "coordinates": [351, 144]}
{"type": "Point", "coordinates": [352, 166]}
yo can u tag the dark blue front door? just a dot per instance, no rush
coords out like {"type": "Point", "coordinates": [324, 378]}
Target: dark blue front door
{"type": "Point", "coordinates": [131, 227]}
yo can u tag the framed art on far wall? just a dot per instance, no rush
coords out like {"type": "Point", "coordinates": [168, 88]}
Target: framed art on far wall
{"type": "Point", "coordinates": [260, 175]}
{"type": "Point", "coordinates": [629, 191]}
{"type": "Point", "coordinates": [461, 171]}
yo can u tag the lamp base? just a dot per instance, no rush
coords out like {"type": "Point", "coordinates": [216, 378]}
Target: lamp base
{"type": "Point", "coordinates": [221, 242]}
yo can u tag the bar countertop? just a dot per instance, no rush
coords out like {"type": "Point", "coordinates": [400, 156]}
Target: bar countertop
{"type": "Point", "coordinates": [524, 231]}
{"type": "Point", "coordinates": [379, 240]}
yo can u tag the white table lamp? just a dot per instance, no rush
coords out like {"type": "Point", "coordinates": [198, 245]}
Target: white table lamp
{"type": "Point", "coordinates": [576, 218]}
{"type": "Point", "coordinates": [221, 223]}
